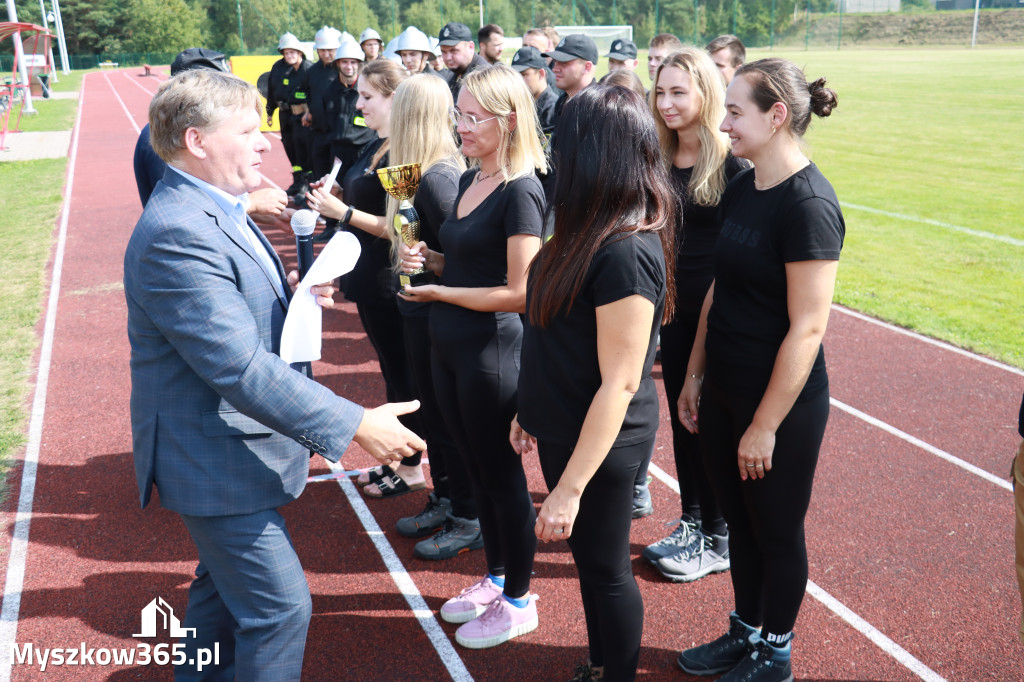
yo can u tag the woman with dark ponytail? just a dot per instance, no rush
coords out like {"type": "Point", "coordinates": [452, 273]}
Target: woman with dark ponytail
{"type": "Point", "coordinates": [758, 368]}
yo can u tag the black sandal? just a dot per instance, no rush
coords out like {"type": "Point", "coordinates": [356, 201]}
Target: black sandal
{"type": "Point", "coordinates": [393, 486]}
{"type": "Point", "coordinates": [376, 475]}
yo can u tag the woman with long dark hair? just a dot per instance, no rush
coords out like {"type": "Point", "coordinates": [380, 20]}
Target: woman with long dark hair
{"type": "Point", "coordinates": [597, 294]}
{"type": "Point", "coordinates": [758, 368]}
{"type": "Point", "coordinates": [688, 105]}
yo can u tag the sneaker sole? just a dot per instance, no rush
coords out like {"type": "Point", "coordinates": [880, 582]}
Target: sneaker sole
{"type": "Point", "coordinates": [690, 577]}
{"type": "Point", "coordinates": [488, 642]}
{"type": "Point", "coordinates": [463, 616]}
{"type": "Point", "coordinates": [642, 512]}
{"type": "Point", "coordinates": [448, 554]}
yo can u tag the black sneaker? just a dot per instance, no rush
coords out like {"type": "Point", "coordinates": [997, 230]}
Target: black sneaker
{"type": "Point", "coordinates": [763, 664]}
{"type": "Point", "coordinates": [643, 505]}
{"type": "Point", "coordinates": [428, 521]}
{"type": "Point", "coordinates": [587, 673]}
{"type": "Point", "coordinates": [457, 536]}
{"type": "Point", "coordinates": [723, 654]}
{"type": "Point", "coordinates": [677, 540]}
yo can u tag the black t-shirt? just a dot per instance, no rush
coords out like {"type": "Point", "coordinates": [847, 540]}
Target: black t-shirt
{"type": "Point", "coordinates": [476, 246]}
{"type": "Point", "coordinates": [762, 230]}
{"type": "Point", "coordinates": [283, 83]}
{"type": "Point", "coordinates": [434, 202]}
{"type": "Point", "coordinates": [369, 282]}
{"type": "Point", "coordinates": [697, 230]}
{"type": "Point", "coordinates": [560, 373]}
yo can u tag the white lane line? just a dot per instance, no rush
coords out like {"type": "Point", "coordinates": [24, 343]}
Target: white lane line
{"type": "Point", "coordinates": [15, 581]}
{"type": "Point", "coordinates": [942, 454]}
{"type": "Point", "coordinates": [837, 607]}
{"type": "Point", "coordinates": [920, 337]}
{"type": "Point", "coordinates": [871, 632]}
{"type": "Point", "coordinates": [449, 657]}
{"type": "Point", "coordinates": [123, 106]}
{"type": "Point", "coordinates": [937, 223]}
{"type": "Point", "coordinates": [140, 85]}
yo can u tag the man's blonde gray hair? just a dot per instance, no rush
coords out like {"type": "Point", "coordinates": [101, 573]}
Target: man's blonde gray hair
{"type": "Point", "coordinates": [200, 99]}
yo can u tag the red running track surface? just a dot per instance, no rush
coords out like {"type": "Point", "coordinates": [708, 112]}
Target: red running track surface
{"type": "Point", "coordinates": [911, 555]}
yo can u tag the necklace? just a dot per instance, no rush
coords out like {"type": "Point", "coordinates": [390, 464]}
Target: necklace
{"type": "Point", "coordinates": [781, 180]}
{"type": "Point", "coordinates": [480, 177]}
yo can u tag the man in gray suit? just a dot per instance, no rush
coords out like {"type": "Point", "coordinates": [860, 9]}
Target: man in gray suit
{"type": "Point", "coordinates": [221, 425]}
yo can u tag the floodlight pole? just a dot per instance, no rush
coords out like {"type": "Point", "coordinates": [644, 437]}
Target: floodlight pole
{"type": "Point", "coordinates": [974, 33]}
{"type": "Point", "coordinates": [62, 42]}
{"type": "Point", "coordinates": [19, 58]}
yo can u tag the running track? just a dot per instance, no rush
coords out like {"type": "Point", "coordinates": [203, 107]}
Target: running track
{"type": "Point", "coordinates": [910, 529]}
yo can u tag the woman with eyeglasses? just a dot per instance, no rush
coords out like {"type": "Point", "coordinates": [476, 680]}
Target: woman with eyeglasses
{"type": "Point", "coordinates": [476, 332]}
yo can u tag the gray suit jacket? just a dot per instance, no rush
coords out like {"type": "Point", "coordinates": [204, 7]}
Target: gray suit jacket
{"type": "Point", "coordinates": [220, 423]}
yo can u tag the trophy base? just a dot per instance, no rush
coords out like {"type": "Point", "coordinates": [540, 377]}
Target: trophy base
{"type": "Point", "coordinates": [416, 279]}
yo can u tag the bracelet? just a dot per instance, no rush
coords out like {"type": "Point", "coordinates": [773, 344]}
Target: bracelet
{"type": "Point", "coordinates": [348, 215]}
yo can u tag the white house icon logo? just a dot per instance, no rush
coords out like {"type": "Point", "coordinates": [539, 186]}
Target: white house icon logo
{"type": "Point", "coordinates": [170, 621]}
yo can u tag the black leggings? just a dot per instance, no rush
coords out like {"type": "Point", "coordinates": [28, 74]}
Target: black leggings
{"type": "Point", "coordinates": [446, 470]}
{"type": "Point", "coordinates": [600, 547]}
{"type": "Point", "coordinates": [697, 495]}
{"type": "Point", "coordinates": [768, 553]}
{"type": "Point", "coordinates": [383, 326]}
{"type": "Point", "coordinates": [476, 375]}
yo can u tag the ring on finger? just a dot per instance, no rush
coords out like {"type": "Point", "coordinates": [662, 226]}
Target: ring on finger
{"type": "Point", "coordinates": [559, 530]}
{"type": "Point", "coordinates": [750, 466]}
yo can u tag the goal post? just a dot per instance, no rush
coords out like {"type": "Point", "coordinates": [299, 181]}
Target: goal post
{"type": "Point", "coordinates": [603, 36]}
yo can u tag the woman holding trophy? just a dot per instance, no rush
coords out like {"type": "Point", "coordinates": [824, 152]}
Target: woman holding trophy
{"type": "Point", "coordinates": [476, 331]}
{"type": "Point", "coordinates": [369, 285]}
{"type": "Point", "coordinates": [427, 164]}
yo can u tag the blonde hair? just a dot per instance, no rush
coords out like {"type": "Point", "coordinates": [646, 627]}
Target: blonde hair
{"type": "Point", "coordinates": [708, 179]}
{"type": "Point", "coordinates": [200, 99]}
{"type": "Point", "coordinates": [384, 76]}
{"type": "Point", "coordinates": [420, 133]}
{"type": "Point", "coordinates": [503, 92]}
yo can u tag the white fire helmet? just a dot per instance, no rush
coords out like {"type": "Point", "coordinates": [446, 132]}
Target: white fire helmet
{"type": "Point", "coordinates": [289, 42]}
{"type": "Point", "coordinates": [349, 50]}
{"type": "Point", "coordinates": [327, 38]}
{"type": "Point", "coordinates": [413, 39]}
{"type": "Point", "coordinates": [369, 34]}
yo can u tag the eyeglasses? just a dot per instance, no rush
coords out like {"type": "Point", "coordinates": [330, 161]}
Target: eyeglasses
{"type": "Point", "coordinates": [469, 119]}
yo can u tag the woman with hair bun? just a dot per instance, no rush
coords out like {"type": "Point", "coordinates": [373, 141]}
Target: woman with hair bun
{"type": "Point", "coordinates": [758, 368]}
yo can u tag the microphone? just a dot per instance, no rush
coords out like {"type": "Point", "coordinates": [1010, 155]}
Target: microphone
{"type": "Point", "coordinates": [303, 224]}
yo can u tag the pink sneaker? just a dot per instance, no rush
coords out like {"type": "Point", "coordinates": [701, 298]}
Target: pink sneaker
{"type": "Point", "coordinates": [499, 623]}
{"type": "Point", "coordinates": [471, 602]}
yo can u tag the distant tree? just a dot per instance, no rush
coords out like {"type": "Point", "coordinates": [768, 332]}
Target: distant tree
{"type": "Point", "coordinates": [163, 26]}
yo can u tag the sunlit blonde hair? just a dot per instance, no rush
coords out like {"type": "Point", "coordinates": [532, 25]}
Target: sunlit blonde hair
{"type": "Point", "coordinates": [708, 179]}
{"type": "Point", "coordinates": [421, 132]}
{"type": "Point", "coordinates": [200, 99]}
{"type": "Point", "coordinates": [502, 92]}
{"type": "Point", "coordinates": [384, 76]}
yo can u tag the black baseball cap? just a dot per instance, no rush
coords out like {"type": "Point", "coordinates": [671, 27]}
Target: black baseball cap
{"type": "Point", "coordinates": [622, 50]}
{"type": "Point", "coordinates": [199, 58]}
{"type": "Point", "coordinates": [528, 57]}
{"type": "Point", "coordinates": [454, 33]}
{"type": "Point", "coordinates": [575, 46]}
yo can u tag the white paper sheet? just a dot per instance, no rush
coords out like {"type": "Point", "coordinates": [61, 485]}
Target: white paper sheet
{"type": "Point", "coordinates": [302, 336]}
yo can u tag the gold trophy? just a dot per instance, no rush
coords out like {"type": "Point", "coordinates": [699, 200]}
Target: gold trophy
{"type": "Point", "coordinates": [401, 182]}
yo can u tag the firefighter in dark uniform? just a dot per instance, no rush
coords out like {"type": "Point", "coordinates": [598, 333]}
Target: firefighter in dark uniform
{"type": "Point", "coordinates": [317, 80]}
{"type": "Point", "coordinates": [285, 79]}
{"type": "Point", "coordinates": [349, 134]}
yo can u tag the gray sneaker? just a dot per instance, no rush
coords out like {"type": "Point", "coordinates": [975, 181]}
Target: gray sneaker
{"type": "Point", "coordinates": [428, 521]}
{"type": "Point", "coordinates": [682, 536]}
{"type": "Point", "coordinates": [457, 536]}
{"type": "Point", "coordinates": [709, 555]}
